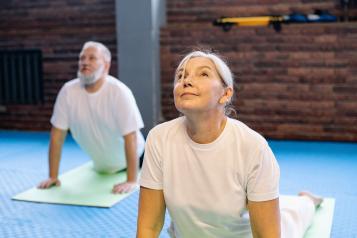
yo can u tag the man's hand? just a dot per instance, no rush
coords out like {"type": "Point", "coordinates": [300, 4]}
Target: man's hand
{"type": "Point", "coordinates": [49, 183]}
{"type": "Point", "coordinates": [124, 187]}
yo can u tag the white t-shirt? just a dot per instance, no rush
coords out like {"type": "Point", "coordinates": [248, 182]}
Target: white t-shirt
{"type": "Point", "coordinates": [205, 186]}
{"type": "Point", "coordinates": [98, 121]}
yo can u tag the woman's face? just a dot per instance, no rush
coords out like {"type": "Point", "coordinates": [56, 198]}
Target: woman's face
{"type": "Point", "coordinates": [198, 87]}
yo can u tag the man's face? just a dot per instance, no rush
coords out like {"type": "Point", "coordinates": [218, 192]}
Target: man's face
{"type": "Point", "coordinates": [90, 60]}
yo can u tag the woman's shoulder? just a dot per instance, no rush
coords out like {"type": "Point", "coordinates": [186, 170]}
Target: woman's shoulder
{"type": "Point", "coordinates": [246, 134]}
{"type": "Point", "coordinates": [168, 126]}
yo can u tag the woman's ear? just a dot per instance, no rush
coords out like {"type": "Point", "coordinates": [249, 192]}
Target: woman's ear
{"type": "Point", "coordinates": [226, 97]}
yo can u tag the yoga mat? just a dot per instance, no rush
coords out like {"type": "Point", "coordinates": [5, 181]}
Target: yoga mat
{"type": "Point", "coordinates": [322, 223]}
{"type": "Point", "coordinates": [81, 186]}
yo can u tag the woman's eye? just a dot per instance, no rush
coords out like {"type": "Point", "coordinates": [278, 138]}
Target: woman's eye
{"type": "Point", "coordinates": [204, 74]}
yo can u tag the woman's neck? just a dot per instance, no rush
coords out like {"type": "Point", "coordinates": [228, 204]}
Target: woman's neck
{"type": "Point", "coordinates": [203, 128]}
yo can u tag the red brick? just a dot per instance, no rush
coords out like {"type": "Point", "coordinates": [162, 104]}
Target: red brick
{"type": "Point", "coordinates": [59, 29]}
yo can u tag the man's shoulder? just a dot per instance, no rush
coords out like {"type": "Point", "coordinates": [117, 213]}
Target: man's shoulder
{"type": "Point", "coordinates": [117, 90]}
{"type": "Point", "coordinates": [72, 84]}
{"type": "Point", "coordinates": [116, 84]}
{"type": "Point", "coordinates": [70, 87]}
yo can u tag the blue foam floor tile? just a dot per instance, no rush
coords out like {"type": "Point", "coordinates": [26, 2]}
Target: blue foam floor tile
{"type": "Point", "coordinates": [326, 168]}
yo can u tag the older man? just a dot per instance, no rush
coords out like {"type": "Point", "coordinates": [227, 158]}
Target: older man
{"type": "Point", "coordinates": [100, 111]}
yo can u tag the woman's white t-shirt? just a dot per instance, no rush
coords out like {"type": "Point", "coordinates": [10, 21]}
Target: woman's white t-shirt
{"type": "Point", "coordinates": [206, 186]}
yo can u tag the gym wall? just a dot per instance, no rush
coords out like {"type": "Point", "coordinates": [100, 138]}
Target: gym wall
{"type": "Point", "coordinates": [58, 29]}
{"type": "Point", "coordinates": [300, 83]}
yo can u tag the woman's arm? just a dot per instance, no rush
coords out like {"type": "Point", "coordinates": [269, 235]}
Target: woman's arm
{"type": "Point", "coordinates": [151, 213]}
{"type": "Point", "coordinates": [265, 218]}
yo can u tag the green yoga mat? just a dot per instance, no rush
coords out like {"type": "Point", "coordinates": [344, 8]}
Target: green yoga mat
{"type": "Point", "coordinates": [322, 223]}
{"type": "Point", "coordinates": [81, 186]}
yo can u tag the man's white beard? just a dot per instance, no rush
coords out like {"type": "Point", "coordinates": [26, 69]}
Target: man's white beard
{"type": "Point", "coordinates": [92, 78]}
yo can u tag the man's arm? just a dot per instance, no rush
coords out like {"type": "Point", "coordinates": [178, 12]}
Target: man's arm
{"type": "Point", "coordinates": [131, 163]}
{"type": "Point", "coordinates": [151, 213]}
{"type": "Point", "coordinates": [265, 218]}
{"type": "Point", "coordinates": [57, 139]}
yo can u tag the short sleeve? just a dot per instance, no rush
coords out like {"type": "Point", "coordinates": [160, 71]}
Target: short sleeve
{"type": "Point", "coordinates": [263, 176]}
{"type": "Point", "coordinates": [60, 116]}
{"type": "Point", "coordinates": [151, 174]}
{"type": "Point", "coordinates": [128, 117]}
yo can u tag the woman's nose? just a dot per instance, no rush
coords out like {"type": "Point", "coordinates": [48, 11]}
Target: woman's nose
{"type": "Point", "coordinates": [187, 81]}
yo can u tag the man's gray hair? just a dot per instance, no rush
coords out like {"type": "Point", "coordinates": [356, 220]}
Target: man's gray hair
{"type": "Point", "coordinates": [102, 48]}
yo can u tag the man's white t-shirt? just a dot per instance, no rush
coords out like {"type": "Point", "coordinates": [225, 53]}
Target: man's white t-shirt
{"type": "Point", "coordinates": [206, 186]}
{"type": "Point", "coordinates": [98, 121]}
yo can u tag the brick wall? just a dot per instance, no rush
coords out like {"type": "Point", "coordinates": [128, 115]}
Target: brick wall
{"type": "Point", "coordinates": [297, 84]}
{"type": "Point", "coordinates": [58, 28]}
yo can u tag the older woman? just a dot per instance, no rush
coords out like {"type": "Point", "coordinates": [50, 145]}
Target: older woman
{"type": "Point", "coordinates": [209, 169]}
